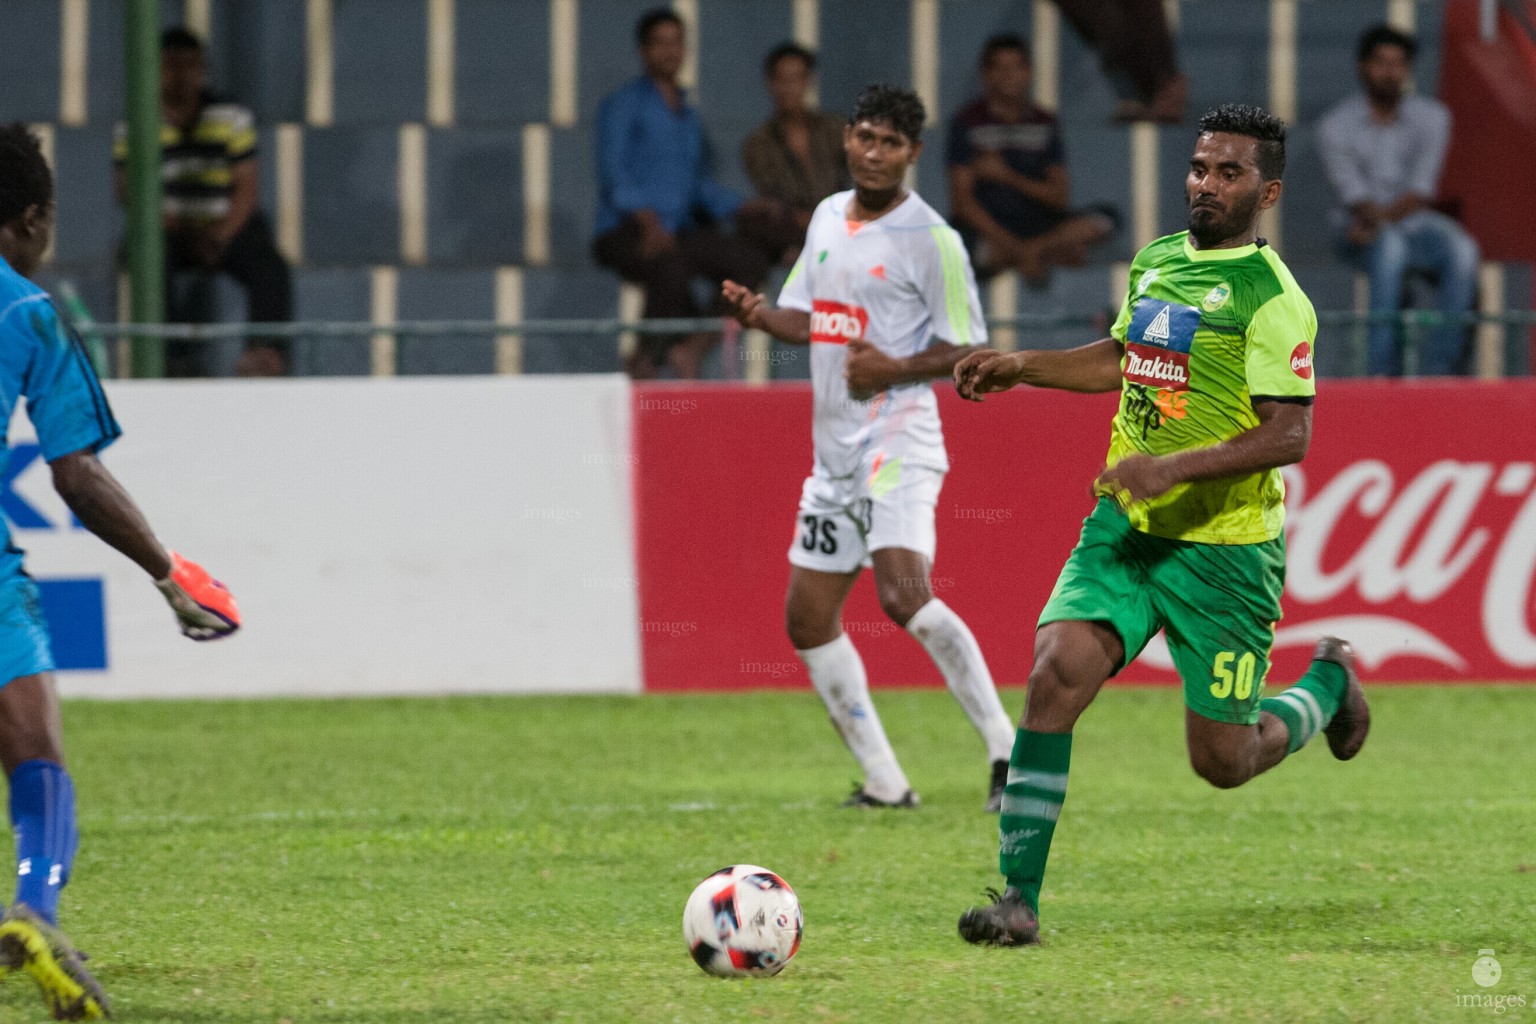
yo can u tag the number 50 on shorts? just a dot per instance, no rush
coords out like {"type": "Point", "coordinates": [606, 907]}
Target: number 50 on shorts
{"type": "Point", "coordinates": [1233, 675]}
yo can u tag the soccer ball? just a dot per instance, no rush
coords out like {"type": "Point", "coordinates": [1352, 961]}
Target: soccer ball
{"type": "Point", "coordinates": [742, 921]}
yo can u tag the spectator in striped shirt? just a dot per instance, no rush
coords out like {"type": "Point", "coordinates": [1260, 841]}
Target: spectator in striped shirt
{"type": "Point", "coordinates": [210, 209]}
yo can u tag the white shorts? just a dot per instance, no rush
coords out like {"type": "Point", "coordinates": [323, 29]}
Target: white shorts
{"type": "Point", "coordinates": [842, 520]}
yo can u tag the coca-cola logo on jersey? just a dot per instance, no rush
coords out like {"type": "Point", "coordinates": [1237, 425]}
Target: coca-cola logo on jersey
{"type": "Point", "coordinates": [1157, 367]}
{"type": "Point", "coordinates": [1301, 361]}
{"type": "Point", "coordinates": [836, 323]}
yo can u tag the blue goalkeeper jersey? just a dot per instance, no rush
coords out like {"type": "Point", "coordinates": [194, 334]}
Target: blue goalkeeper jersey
{"type": "Point", "coordinates": [43, 361]}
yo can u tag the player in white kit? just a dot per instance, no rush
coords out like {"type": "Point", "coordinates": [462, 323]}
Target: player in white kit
{"type": "Point", "coordinates": [884, 295]}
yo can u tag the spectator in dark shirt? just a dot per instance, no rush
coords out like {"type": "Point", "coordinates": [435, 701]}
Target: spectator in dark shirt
{"type": "Point", "coordinates": [795, 158]}
{"type": "Point", "coordinates": [211, 208]}
{"type": "Point", "coordinates": [660, 209]}
{"type": "Point", "coordinates": [1008, 186]}
{"type": "Point", "coordinates": [1384, 150]}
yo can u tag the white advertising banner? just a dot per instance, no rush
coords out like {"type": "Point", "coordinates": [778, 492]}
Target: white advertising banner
{"type": "Point", "coordinates": [382, 536]}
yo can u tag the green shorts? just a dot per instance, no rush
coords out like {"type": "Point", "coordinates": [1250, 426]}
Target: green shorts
{"type": "Point", "coordinates": [1217, 603]}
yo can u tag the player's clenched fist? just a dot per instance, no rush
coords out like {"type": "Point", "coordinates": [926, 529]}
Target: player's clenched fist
{"type": "Point", "coordinates": [746, 305]}
{"type": "Point", "coordinates": [985, 371]}
{"type": "Point", "coordinates": [204, 607]}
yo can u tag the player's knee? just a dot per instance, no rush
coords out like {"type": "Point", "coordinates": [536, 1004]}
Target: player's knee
{"type": "Point", "coordinates": [808, 628]}
{"type": "Point", "coordinates": [901, 598]}
{"type": "Point", "coordinates": [1053, 690]}
{"type": "Point", "coordinates": [1222, 769]}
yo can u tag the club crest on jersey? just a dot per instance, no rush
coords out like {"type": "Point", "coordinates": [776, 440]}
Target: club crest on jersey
{"type": "Point", "coordinates": [1216, 297]}
{"type": "Point", "coordinates": [1158, 343]}
{"type": "Point", "coordinates": [836, 323]}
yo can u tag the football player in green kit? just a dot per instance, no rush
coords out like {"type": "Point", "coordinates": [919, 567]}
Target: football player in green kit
{"type": "Point", "coordinates": [1212, 356]}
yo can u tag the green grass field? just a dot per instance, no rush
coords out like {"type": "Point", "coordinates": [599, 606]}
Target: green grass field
{"type": "Point", "coordinates": [527, 860]}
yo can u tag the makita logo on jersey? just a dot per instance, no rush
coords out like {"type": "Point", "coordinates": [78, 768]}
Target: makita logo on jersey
{"type": "Point", "coordinates": [1301, 361]}
{"type": "Point", "coordinates": [1157, 368]}
{"type": "Point", "coordinates": [836, 323]}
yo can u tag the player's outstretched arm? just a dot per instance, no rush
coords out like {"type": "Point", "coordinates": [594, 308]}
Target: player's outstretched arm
{"type": "Point", "coordinates": [1088, 369]}
{"type": "Point", "coordinates": [204, 608]}
{"type": "Point", "coordinates": [751, 310]}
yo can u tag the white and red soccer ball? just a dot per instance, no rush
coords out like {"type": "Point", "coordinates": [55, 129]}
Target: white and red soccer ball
{"type": "Point", "coordinates": [742, 921]}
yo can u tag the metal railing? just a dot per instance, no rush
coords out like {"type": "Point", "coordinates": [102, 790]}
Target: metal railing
{"type": "Point", "coordinates": [1025, 330]}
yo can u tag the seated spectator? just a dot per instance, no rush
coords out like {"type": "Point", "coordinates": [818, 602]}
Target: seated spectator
{"type": "Point", "coordinates": [659, 209]}
{"type": "Point", "coordinates": [1008, 186]}
{"type": "Point", "coordinates": [210, 210]}
{"type": "Point", "coordinates": [1384, 150]}
{"type": "Point", "coordinates": [1135, 47]}
{"type": "Point", "coordinates": [795, 158]}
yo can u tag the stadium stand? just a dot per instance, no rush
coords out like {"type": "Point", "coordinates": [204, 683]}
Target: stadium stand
{"type": "Point", "coordinates": [31, 87]}
{"type": "Point", "coordinates": [501, 71]}
{"type": "Point", "coordinates": [381, 62]}
{"type": "Point", "coordinates": [435, 293]}
{"type": "Point", "coordinates": [508, 176]}
{"type": "Point", "coordinates": [252, 54]}
{"type": "Point", "coordinates": [351, 202]}
{"type": "Point", "coordinates": [474, 196]}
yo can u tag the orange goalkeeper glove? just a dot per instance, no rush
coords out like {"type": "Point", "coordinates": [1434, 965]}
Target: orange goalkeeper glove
{"type": "Point", "coordinates": [204, 607]}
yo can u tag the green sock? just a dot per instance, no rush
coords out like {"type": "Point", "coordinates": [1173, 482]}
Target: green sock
{"type": "Point", "coordinates": [1037, 784]}
{"type": "Point", "coordinates": [1310, 705]}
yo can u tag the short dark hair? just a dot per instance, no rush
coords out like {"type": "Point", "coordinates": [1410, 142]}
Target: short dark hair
{"type": "Point", "coordinates": [652, 18]}
{"type": "Point", "coordinates": [783, 50]}
{"type": "Point", "coordinates": [179, 38]}
{"type": "Point", "coordinates": [1004, 41]}
{"type": "Point", "coordinates": [1386, 35]}
{"type": "Point", "coordinates": [25, 179]}
{"type": "Point", "coordinates": [1256, 123]}
{"type": "Point", "coordinates": [890, 104]}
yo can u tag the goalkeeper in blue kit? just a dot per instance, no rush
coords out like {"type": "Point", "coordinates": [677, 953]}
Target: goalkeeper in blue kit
{"type": "Point", "coordinates": [43, 361]}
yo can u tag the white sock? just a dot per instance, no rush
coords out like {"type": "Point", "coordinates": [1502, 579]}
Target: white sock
{"type": "Point", "coordinates": [953, 648]}
{"type": "Point", "coordinates": [837, 672]}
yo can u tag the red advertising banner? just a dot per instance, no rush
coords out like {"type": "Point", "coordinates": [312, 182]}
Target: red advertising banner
{"type": "Point", "coordinates": [1411, 532]}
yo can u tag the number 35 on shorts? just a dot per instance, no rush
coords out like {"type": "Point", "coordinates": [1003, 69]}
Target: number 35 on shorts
{"type": "Point", "coordinates": [819, 532]}
{"type": "Point", "coordinates": [1233, 675]}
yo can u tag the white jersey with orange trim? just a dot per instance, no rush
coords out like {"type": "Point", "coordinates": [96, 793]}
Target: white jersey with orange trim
{"type": "Point", "coordinates": [901, 282]}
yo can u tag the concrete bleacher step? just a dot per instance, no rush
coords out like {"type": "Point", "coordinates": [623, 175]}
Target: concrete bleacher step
{"type": "Point", "coordinates": [502, 62]}
{"type": "Point", "coordinates": [572, 196]}
{"type": "Point", "coordinates": [380, 76]}
{"type": "Point", "coordinates": [88, 223]}
{"type": "Point", "coordinates": [31, 87]}
{"type": "Point", "coordinates": [474, 196]}
{"type": "Point", "coordinates": [350, 200]}
{"type": "Point", "coordinates": [550, 293]}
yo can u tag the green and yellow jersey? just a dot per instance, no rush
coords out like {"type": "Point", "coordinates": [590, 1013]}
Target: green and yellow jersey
{"type": "Point", "coordinates": [1207, 333]}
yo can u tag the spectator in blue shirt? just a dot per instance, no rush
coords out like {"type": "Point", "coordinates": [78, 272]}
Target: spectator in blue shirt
{"type": "Point", "coordinates": [1384, 150]}
{"type": "Point", "coordinates": [660, 211]}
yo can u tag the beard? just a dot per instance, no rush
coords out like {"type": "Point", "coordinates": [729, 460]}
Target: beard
{"type": "Point", "coordinates": [1211, 227]}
